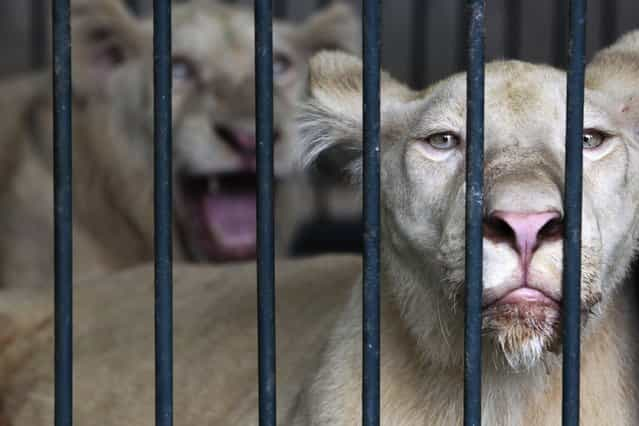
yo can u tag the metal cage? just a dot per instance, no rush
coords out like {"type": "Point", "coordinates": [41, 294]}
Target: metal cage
{"type": "Point", "coordinates": [264, 11]}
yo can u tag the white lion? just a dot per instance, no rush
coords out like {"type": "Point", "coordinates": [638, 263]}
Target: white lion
{"type": "Point", "coordinates": [423, 211]}
{"type": "Point", "coordinates": [213, 129]}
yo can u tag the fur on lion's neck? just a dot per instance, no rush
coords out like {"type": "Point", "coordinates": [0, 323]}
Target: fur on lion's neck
{"type": "Point", "coordinates": [418, 389]}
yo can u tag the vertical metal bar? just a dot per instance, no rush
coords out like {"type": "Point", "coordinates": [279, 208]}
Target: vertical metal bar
{"type": "Point", "coordinates": [572, 206]}
{"type": "Point", "coordinates": [560, 44]}
{"type": "Point", "coordinates": [474, 211]}
{"type": "Point", "coordinates": [38, 34]}
{"type": "Point", "coordinates": [371, 205]}
{"type": "Point", "coordinates": [162, 213]}
{"type": "Point", "coordinates": [63, 218]}
{"type": "Point", "coordinates": [608, 23]}
{"type": "Point", "coordinates": [512, 38]}
{"type": "Point", "coordinates": [265, 219]}
{"type": "Point", "coordinates": [419, 43]}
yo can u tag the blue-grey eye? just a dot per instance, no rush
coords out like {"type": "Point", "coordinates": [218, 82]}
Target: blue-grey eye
{"type": "Point", "coordinates": [183, 69]}
{"type": "Point", "coordinates": [443, 141]}
{"type": "Point", "coordinates": [593, 139]}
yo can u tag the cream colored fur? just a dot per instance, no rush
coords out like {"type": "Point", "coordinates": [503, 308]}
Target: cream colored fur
{"type": "Point", "coordinates": [215, 343]}
{"type": "Point", "coordinates": [423, 206]}
{"type": "Point", "coordinates": [113, 133]}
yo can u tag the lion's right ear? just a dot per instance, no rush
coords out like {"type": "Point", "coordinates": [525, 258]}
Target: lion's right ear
{"type": "Point", "coordinates": [105, 37]}
{"type": "Point", "coordinates": [331, 120]}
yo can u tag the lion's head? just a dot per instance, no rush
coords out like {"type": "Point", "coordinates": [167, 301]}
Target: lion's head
{"type": "Point", "coordinates": [213, 104]}
{"type": "Point", "coordinates": [423, 200]}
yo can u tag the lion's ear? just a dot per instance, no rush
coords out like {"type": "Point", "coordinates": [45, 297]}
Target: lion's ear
{"type": "Point", "coordinates": [105, 37]}
{"type": "Point", "coordinates": [331, 120]}
{"type": "Point", "coordinates": [334, 28]}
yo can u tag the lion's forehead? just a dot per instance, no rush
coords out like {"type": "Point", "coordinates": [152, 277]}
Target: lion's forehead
{"type": "Point", "coordinates": [207, 33]}
{"type": "Point", "coordinates": [525, 105]}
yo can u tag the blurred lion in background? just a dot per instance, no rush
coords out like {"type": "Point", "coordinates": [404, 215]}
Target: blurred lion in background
{"type": "Point", "coordinates": [213, 131]}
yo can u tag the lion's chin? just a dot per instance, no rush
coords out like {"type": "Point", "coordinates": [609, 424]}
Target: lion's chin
{"type": "Point", "coordinates": [522, 332]}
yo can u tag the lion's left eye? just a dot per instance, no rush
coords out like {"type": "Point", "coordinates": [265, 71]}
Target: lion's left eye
{"type": "Point", "coordinates": [183, 69]}
{"type": "Point", "coordinates": [443, 141]}
{"type": "Point", "coordinates": [593, 139]}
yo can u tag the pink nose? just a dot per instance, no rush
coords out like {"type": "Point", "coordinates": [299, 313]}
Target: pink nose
{"type": "Point", "coordinates": [245, 140]}
{"type": "Point", "coordinates": [526, 231]}
{"type": "Point", "coordinates": [241, 141]}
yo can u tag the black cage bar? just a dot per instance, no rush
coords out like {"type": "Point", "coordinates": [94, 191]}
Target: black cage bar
{"type": "Point", "coordinates": [63, 218]}
{"type": "Point", "coordinates": [371, 288]}
{"type": "Point", "coordinates": [265, 218]}
{"type": "Point", "coordinates": [474, 212]}
{"type": "Point", "coordinates": [572, 206]}
{"type": "Point", "coordinates": [162, 76]}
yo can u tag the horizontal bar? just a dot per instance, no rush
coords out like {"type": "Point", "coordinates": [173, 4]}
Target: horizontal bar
{"type": "Point", "coordinates": [63, 215]}
{"type": "Point", "coordinates": [474, 212]}
{"type": "Point", "coordinates": [162, 212]}
{"type": "Point", "coordinates": [265, 218]}
{"type": "Point", "coordinates": [572, 206]}
{"type": "Point", "coordinates": [371, 205]}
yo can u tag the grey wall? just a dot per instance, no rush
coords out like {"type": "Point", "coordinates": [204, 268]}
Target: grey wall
{"type": "Point", "coordinates": [441, 26]}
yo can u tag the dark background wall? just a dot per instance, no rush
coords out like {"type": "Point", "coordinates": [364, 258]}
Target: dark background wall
{"type": "Point", "coordinates": [423, 40]}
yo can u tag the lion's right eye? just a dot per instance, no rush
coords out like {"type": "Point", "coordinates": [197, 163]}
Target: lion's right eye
{"type": "Point", "coordinates": [443, 141]}
{"type": "Point", "coordinates": [593, 139]}
{"type": "Point", "coordinates": [183, 69]}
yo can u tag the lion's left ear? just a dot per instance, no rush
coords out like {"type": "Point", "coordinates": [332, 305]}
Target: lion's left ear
{"type": "Point", "coordinates": [336, 27]}
{"type": "Point", "coordinates": [105, 37]}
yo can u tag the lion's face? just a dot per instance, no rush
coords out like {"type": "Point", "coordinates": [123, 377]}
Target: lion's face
{"type": "Point", "coordinates": [523, 216]}
{"type": "Point", "coordinates": [423, 193]}
{"type": "Point", "coordinates": [214, 112]}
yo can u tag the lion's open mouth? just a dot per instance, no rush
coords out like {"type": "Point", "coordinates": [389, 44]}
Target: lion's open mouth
{"type": "Point", "coordinates": [220, 215]}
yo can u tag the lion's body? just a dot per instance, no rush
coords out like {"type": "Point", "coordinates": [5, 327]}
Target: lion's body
{"type": "Point", "coordinates": [423, 240]}
{"type": "Point", "coordinates": [318, 335]}
{"type": "Point", "coordinates": [215, 343]}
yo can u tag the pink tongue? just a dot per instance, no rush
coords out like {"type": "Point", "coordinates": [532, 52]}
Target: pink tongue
{"type": "Point", "coordinates": [231, 220]}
